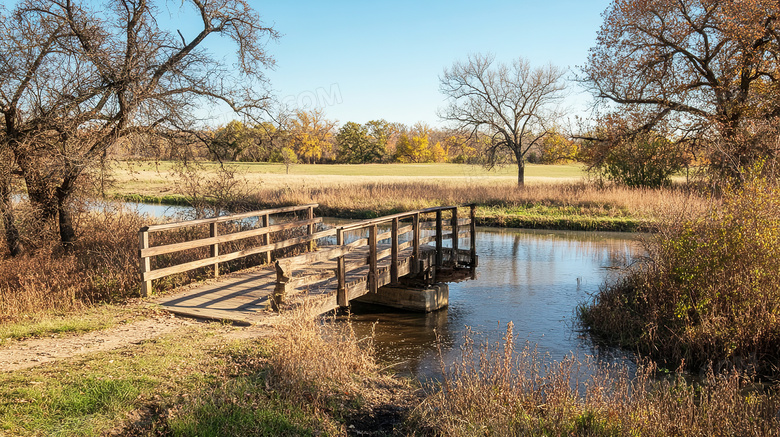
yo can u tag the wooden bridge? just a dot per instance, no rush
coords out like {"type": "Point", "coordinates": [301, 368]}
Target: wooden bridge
{"type": "Point", "coordinates": [301, 261]}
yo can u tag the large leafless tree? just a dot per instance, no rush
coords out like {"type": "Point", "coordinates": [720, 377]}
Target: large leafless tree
{"type": "Point", "coordinates": [512, 106]}
{"type": "Point", "coordinates": [78, 76]}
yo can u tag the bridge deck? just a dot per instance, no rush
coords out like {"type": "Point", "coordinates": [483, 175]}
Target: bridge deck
{"type": "Point", "coordinates": [247, 297]}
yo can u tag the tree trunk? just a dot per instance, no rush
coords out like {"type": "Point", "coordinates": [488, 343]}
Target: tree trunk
{"type": "Point", "coordinates": [12, 239]}
{"type": "Point", "coordinates": [67, 233]}
{"type": "Point", "coordinates": [520, 172]}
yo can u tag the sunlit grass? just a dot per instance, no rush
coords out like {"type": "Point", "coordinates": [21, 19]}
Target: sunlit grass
{"type": "Point", "coordinates": [57, 324]}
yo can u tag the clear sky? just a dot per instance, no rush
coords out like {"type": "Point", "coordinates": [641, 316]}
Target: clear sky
{"type": "Point", "coordinates": [364, 60]}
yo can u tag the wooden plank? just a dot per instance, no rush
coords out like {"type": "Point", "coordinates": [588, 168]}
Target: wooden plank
{"type": "Point", "coordinates": [309, 279]}
{"type": "Point", "coordinates": [176, 247]}
{"type": "Point", "coordinates": [179, 268]}
{"type": "Point", "coordinates": [360, 242]}
{"type": "Point", "coordinates": [226, 218]}
{"type": "Point", "coordinates": [384, 236]}
{"type": "Point", "coordinates": [405, 229]}
{"type": "Point", "coordinates": [381, 254]}
{"type": "Point", "coordinates": [307, 259]}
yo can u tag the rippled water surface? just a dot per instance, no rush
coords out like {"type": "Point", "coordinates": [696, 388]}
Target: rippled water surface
{"type": "Point", "coordinates": [535, 279]}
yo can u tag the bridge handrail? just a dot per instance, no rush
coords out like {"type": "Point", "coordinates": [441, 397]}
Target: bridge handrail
{"type": "Point", "coordinates": [284, 267]}
{"type": "Point", "coordinates": [227, 218]}
{"type": "Point", "coordinates": [214, 239]}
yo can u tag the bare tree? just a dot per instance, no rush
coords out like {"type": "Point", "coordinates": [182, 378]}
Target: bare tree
{"type": "Point", "coordinates": [77, 76]}
{"type": "Point", "coordinates": [512, 105]}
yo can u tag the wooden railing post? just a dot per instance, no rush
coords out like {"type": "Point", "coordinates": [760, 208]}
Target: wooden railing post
{"type": "Point", "coordinates": [310, 228]}
{"type": "Point", "coordinates": [455, 235]}
{"type": "Point", "coordinates": [341, 274]}
{"type": "Point", "coordinates": [146, 263]}
{"type": "Point", "coordinates": [266, 238]}
{"type": "Point", "coordinates": [372, 261]}
{"type": "Point", "coordinates": [439, 232]}
{"type": "Point", "coordinates": [214, 252]}
{"type": "Point", "coordinates": [473, 234]}
{"type": "Point", "coordinates": [394, 252]}
{"type": "Point", "coordinates": [416, 243]}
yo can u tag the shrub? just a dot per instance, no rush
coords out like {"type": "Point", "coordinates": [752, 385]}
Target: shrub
{"type": "Point", "coordinates": [644, 160]}
{"type": "Point", "coordinates": [709, 291]}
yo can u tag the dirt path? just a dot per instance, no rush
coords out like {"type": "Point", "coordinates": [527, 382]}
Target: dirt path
{"type": "Point", "coordinates": [30, 353]}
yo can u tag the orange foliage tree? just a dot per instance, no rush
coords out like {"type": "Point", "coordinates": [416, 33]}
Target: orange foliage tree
{"type": "Point", "coordinates": [708, 68]}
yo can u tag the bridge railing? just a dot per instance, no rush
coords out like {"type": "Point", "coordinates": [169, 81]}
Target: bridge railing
{"type": "Point", "coordinates": [214, 239]}
{"type": "Point", "coordinates": [400, 227]}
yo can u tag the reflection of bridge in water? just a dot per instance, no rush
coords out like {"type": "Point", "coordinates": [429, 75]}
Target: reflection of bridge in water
{"type": "Point", "coordinates": [399, 260]}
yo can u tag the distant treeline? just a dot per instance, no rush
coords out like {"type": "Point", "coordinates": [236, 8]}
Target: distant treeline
{"type": "Point", "coordinates": [309, 137]}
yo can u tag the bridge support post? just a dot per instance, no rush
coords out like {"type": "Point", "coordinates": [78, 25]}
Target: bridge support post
{"type": "Point", "coordinates": [439, 232]}
{"type": "Point", "coordinates": [426, 299]}
{"type": "Point", "coordinates": [473, 235]}
{"type": "Point", "coordinates": [372, 260]}
{"type": "Point", "coordinates": [310, 228]}
{"type": "Point", "coordinates": [416, 243]}
{"type": "Point", "coordinates": [146, 263]}
{"type": "Point", "coordinates": [454, 226]}
{"type": "Point", "coordinates": [267, 237]}
{"type": "Point", "coordinates": [394, 252]}
{"type": "Point", "coordinates": [214, 250]}
{"type": "Point", "coordinates": [341, 275]}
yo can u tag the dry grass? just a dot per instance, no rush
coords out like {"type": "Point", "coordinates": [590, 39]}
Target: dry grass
{"type": "Point", "coordinates": [100, 267]}
{"type": "Point", "coordinates": [384, 197]}
{"type": "Point", "coordinates": [496, 390]}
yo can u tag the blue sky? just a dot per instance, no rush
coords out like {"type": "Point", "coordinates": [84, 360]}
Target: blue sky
{"type": "Point", "coordinates": [370, 60]}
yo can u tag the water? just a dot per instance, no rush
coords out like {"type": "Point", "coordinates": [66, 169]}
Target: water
{"type": "Point", "coordinates": [534, 279]}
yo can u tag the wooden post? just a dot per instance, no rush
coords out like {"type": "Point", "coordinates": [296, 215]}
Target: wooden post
{"type": "Point", "coordinates": [394, 252]}
{"type": "Point", "coordinates": [439, 254]}
{"type": "Point", "coordinates": [310, 228]}
{"type": "Point", "coordinates": [146, 263]}
{"type": "Point", "coordinates": [214, 252]}
{"type": "Point", "coordinates": [266, 238]}
{"type": "Point", "coordinates": [455, 236]}
{"type": "Point", "coordinates": [372, 261]}
{"type": "Point", "coordinates": [416, 243]}
{"type": "Point", "coordinates": [473, 234]}
{"type": "Point", "coordinates": [341, 275]}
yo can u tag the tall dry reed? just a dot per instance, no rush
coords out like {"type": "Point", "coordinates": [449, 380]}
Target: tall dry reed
{"type": "Point", "coordinates": [101, 266]}
{"type": "Point", "coordinates": [498, 390]}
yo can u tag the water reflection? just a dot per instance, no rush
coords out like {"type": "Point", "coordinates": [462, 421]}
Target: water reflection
{"type": "Point", "coordinates": [535, 279]}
